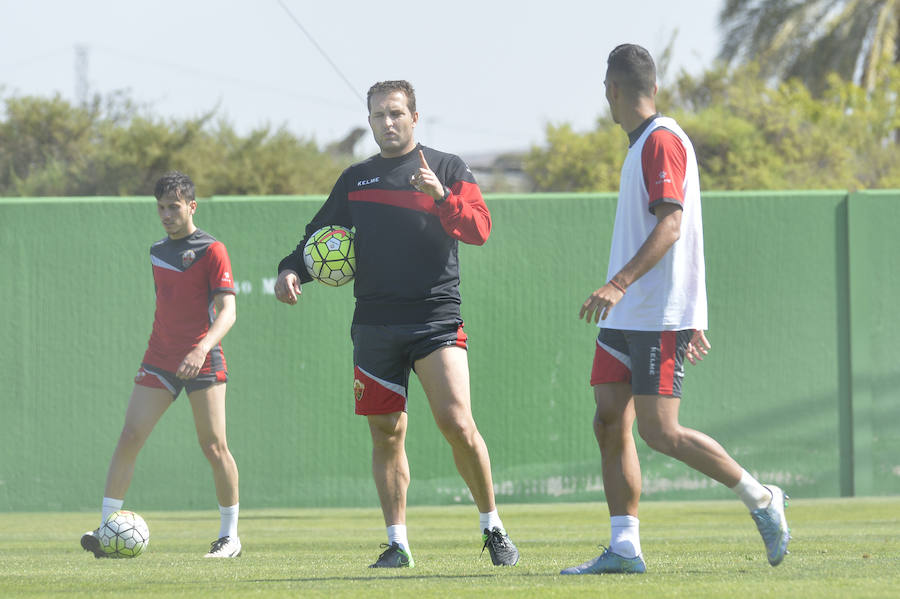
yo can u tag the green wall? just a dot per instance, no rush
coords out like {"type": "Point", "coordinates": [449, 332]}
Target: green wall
{"type": "Point", "coordinates": [802, 384]}
{"type": "Point", "coordinates": [874, 425]}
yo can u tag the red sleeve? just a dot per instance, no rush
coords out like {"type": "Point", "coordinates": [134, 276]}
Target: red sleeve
{"type": "Point", "coordinates": [664, 161]}
{"type": "Point", "coordinates": [221, 279]}
{"type": "Point", "coordinates": [464, 215]}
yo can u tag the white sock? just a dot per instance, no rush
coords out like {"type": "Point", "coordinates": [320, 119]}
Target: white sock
{"type": "Point", "coordinates": [751, 492]}
{"type": "Point", "coordinates": [229, 520]}
{"type": "Point", "coordinates": [489, 520]}
{"type": "Point", "coordinates": [625, 536]}
{"type": "Point", "coordinates": [110, 505]}
{"type": "Point", "coordinates": [396, 533]}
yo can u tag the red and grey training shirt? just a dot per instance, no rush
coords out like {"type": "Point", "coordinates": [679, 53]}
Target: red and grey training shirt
{"type": "Point", "coordinates": [188, 273]}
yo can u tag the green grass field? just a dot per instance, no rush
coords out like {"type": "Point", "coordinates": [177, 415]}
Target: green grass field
{"type": "Point", "coordinates": [841, 548]}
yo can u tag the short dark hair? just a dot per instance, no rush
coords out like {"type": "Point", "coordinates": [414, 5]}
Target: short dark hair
{"type": "Point", "coordinates": [633, 67]}
{"type": "Point", "coordinates": [176, 184]}
{"type": "Point", "coordinates": [399, 85]}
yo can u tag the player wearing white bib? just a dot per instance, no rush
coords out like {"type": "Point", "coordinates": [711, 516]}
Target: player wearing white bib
{"type": "Point", "coordinates": [653, 309]}
{"type": "Point", "coordinates": [660, 168]}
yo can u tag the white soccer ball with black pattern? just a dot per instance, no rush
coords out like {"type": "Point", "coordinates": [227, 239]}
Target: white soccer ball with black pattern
{"type": "Point", "coordinates": [329, 255]}
{"type": "Point", "coordinates": [124, 534]}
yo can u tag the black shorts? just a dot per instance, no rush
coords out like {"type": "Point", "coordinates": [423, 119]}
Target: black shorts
{"type": "Point", "coordinates": [157, 378]}
{"type": "Point", "coordinates": [383, 356]}
{"type": "Point", "coordinates": [652, 361]}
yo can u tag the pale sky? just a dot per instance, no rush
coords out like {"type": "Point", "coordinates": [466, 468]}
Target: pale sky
{"type": "Point", "coordinates": [489, 75]}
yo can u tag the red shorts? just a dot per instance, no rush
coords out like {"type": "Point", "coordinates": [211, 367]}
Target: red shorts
{"type": "Point", "coordinates": [652, 361]}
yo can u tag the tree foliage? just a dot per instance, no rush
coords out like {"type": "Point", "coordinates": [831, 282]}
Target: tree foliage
{"type": "Point", "coordinates": [748, 135]}
{"type": "Point", "coordinates": [574, 161]}
{"type": "Point", "coordinates": [49, 147]}
{"type": "Point", "coordinates": [810, 39]}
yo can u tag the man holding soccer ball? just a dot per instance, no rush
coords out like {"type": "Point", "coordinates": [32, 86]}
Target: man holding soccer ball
{"type": "Point", "coordinates": [653, 309]}
{"type": "Point", "coordinates": [410, 206]}
{"type": "Point", "coordinates": [195, 308]}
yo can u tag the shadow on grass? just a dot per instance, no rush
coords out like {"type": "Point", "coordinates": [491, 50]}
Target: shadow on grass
{"type": "Point", "coordinates": [398, 577]}
{"type": "Point", "coordinates": [193, 516]}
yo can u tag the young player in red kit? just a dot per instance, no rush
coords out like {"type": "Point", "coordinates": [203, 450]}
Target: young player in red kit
{"type": "Point", "coordinates": [195, 308]}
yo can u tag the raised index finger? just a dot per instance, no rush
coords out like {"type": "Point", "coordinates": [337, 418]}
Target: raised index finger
{"type": "Point", "coordinates": [422, 161]}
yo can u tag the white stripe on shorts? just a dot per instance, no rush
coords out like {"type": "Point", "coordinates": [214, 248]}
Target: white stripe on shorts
{"type": "Point", "coordinates": [398, 389]}
{"type": "Point", "coordinates": [624, 359]}
{"type": "Point", "coordinates": [162, 380]}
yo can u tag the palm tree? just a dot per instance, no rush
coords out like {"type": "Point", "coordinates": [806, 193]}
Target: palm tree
{"type": "Point", "coordinates": [808, 39]}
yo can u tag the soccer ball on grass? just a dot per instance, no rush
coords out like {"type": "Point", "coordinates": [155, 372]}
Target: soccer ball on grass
{"type": "Point", "coordinates": [329, 255]}
{"type": "Point", "coordinates": [124, 534]}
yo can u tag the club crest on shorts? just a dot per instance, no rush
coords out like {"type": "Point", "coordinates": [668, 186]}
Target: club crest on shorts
{"type": "Point", "coordinates": [358, 389]}
{"type": "Point", "coordinates": [187, 258]}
